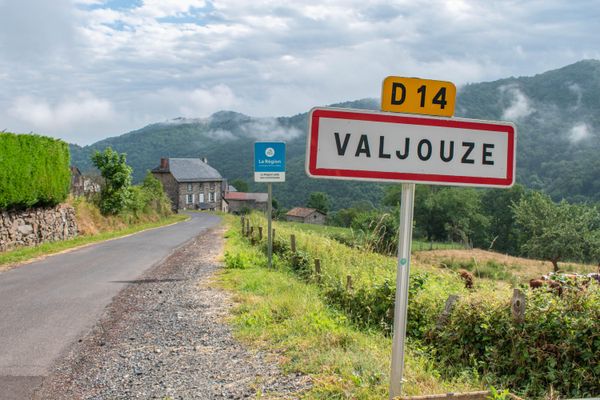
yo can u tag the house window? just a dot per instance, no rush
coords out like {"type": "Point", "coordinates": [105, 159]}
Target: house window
{"type": "Point", "coordinates": [189, 185]}
{"type": "Point", "coordinates": [211, 197]}
{"type": "Point", "coordinates": [201, 200]}
{"type": "Point", "coordinates": [190, 199]}
{"type": "Point", "coordinates": [212, 186]}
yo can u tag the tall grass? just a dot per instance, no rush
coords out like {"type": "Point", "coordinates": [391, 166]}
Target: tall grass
{"type": "Point", "coordinates": [285, 315]}
{"type": "Point", "coordinates": [480, 332]}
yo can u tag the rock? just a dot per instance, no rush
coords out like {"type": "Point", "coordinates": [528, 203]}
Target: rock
{"type": "Point", "coordinates": [25, 229]}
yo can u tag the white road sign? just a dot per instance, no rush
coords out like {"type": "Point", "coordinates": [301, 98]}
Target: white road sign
{"type": "Point", "coordinates": [379, 146]}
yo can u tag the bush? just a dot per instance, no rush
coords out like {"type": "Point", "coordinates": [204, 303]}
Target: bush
{"type": "Point", "coordinates": [558, 344]}
{"type": "Point", "coordinates": [34, 171]}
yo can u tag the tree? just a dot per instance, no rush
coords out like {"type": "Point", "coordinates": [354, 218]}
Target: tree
{"type": "Point", "coordinates": [319, 201]}
{"type": "Point", "coordinates": [240, 184]}
{"type": "Point", "coordinates": [497, 205]}
{"type": "Point", "coordinates": [117, 180]}
{"type": "Point", "coordinates": [445, 213]}
{"type": "Point", "coordinates": [554, 232]}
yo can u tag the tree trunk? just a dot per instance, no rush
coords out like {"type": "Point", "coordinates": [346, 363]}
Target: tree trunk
{"type": "Point", "coordinates": [554, 262]}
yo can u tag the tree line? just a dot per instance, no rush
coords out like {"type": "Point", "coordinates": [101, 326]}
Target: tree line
{"type": "Point", "coordinates": [515, 221]}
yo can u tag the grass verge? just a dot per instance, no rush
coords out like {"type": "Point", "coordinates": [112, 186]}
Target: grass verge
{"type": "Point", "coordinates": [278, 312]}
{"type": "Point", "coordinates": [10, 258]}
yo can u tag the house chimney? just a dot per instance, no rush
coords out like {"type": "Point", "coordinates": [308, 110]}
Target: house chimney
{"type": "Point", "coordinates": [205, 160]}
{"type": "Point", "coordinates": [164, 163]}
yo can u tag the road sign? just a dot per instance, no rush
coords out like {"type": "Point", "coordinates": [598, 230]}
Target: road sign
{"type": "Point", "coordinates": [269, 162]}
{"type": "Point", "coordinates": [378, 146]}
{"type": "Point", "coordinates": [418, 96]}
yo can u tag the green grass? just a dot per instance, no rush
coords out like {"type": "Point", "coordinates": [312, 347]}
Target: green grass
{"type": "Point", "coordinates": [279, 313]}
{"type": "Point", "coordinates": [27, 253]}
{"type": "Point", "coordinates": [321, 229]}
{"type": "Point", "coordinates": [350, 235]}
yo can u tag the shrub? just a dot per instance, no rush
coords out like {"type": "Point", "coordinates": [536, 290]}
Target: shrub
{"type": "Point", "coordinates": [557, 345]}
{"type": "Point", "coordinates": [116, 192]}
{"type": "Point", "coordinates": [34, 171]}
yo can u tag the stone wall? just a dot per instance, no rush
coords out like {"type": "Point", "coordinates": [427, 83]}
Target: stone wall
{"type": "Point", "coordinates": [34, 226]}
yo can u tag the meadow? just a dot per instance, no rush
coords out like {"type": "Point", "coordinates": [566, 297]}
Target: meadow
{"type": "Point", "coordinates": [555, 349]}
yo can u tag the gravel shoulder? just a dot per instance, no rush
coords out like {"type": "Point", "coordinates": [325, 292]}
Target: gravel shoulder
{"type": "Point", "coordinates": [165, 337]}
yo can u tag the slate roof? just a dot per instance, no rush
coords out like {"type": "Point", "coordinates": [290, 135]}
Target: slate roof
{"type": "Point", "coordinates": [258, 197]}
{"type": "Point", "coordinates": [191, 170]}
{"type": "Point", "coordinates": [302, 212]}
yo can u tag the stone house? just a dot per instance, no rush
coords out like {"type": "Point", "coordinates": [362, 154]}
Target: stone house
{"type": "Point", "coordinates": [191, 183]}
{"type": "Point", "coordinates": [82, 185]}
{"type": "Point", "coordinates": [239, 202]}
{"type": "Point", "coordinates": [305, 215]}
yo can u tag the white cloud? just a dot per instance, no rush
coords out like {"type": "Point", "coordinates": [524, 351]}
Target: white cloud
{"type": "Point", "coordinates": [154, 60]}
{"type": "Point", "coordinates": [269, 129]}
{"type": "Point", "coordinates": [579, 132]}
{"type": "Point", "coordinates": [83, 108]}
{"type": "Point", "coordinates": [198, 102]}
{"type": "Point", "coordinates": [576, 90]}
{"type": "Point", "coordinates": [520, 105]}
{"type": "Point", "coordinates": [221, 135]}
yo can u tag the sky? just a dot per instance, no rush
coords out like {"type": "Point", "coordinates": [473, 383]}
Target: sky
{"type": "Point", "coordinates": [84, 70]}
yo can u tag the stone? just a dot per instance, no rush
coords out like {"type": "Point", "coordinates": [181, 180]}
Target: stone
{"type": "Point", "coordinates": [25, 229]}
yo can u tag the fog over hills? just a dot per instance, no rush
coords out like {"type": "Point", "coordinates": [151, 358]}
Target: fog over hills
{"type": "Point", "coordinates": [556, 113]}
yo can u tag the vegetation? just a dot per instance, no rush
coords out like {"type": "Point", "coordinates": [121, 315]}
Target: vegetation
{"type": "Point", "coordinates": [280, 313]}
{"type": "Point", "coordinates": [116, 191]}
{"type": "Point", "coordinates": [319, 201]}
{"type": "Point", "coordinates": [119, 210]}
{"type": "Point", "coordinates": [556, 232]}
{"type": "Point", "coordinates": [35, 171]}
{"type": "Point", "coordinates": [558, 344]}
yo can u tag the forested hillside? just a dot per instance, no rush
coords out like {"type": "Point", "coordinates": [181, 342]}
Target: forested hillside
{"type": "Point", "coordinates": [556, 114]}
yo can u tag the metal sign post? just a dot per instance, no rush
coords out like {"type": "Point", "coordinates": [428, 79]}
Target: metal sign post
{"type": "Point", "coordinates": [269, 166]}
{"type": "Point", "coordinates": [402, 277]}
{"type": "Point", "coordinates": [269, 219]}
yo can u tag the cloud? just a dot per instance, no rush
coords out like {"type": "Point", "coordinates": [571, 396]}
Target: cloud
{"type": "Point", "coordinates": [576, 90]}
{"type": "Point", "coordinates": [154, 60]}
{"type": "Point", "coordinates": [67, 118]}
{"type": "Point", "coordinates": [520, 105]}
{"type": "Point", "coordinates": [221, 135]}
{"type": "Point", "coordinates": [579, 132]}
{"type": "Point", "coordinates": [192, 103]}
{"type": "Point", "coordinates": [269, 129]}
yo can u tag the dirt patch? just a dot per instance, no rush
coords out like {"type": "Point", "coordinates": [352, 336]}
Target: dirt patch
{"type": "Point", "coordinates": [522, 267]}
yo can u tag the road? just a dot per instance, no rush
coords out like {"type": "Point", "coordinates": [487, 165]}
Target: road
{"type": "Point", "coordinates": [47, 305]}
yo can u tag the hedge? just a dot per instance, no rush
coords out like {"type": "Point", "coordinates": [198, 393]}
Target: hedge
{"type": "Point", "coordinates": [34, 171]}
{"type": "Point", "coordinates": [558, 344]}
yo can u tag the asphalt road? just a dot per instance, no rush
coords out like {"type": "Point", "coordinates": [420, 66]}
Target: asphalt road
{"type": "Point", "coordinates": [47, 305]}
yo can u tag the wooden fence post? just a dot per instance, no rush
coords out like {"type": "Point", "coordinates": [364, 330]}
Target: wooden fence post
{"type": "Point", "coordinates": [349, 283]}
{"type": "Point", "coordinates": [518, 306]}
{"type": "Point", "coordinates": [247, 227]}
{"type": "Point", "coordinates": [273, 235]}
{"type": "Point", "coordinates": [260, 233]}
{"type": "Point", "coordinates": [443, 318]}
{"type": "Point", "coordinates": [318, 269]}
{"type": "Point", "coordinates": [243, 224]}
{"type": "Point", "coordinates": [293, 243]}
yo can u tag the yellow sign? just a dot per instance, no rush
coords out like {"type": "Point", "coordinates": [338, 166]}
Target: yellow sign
{"type": "Point", "coordinates": [418, 96]}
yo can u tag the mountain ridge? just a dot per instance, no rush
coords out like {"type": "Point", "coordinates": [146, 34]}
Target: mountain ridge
{"type": "Point", "coordinates": [554, 112]}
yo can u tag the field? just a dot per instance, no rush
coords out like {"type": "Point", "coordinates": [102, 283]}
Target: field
{"type": "Point", "coordinates": [556, 348]}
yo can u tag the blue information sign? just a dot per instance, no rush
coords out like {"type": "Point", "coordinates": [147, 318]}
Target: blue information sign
{"type": "Point", "coordinates": [269, 162]}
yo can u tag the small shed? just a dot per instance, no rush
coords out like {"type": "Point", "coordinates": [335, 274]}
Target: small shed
{"type": "Point", "coordinates": [306, 215]}
{"type": "Point", "coordinates": [241, 201]}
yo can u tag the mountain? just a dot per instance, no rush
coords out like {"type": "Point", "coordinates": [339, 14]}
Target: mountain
{"type": "Point", "coordinates": [556, 113]}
